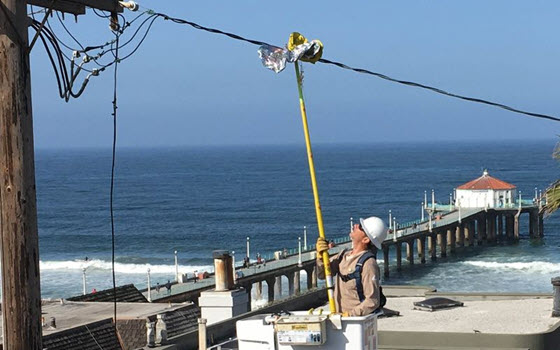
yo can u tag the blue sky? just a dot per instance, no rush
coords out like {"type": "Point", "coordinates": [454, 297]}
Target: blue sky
{"type": "Point", "coordinates": [189, 87]}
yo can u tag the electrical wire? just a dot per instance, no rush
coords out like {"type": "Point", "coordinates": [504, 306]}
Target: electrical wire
{"type": "Point", "coordinates": [154, 15]}
{"type": "Point", "coordinates": [365, 71]}
{"type": "Point", "coordinates": [67, 31]}
{"type": "Point", "coordinates": [117, 35]}
{"type": "Point", "coordinates": [439, 91]}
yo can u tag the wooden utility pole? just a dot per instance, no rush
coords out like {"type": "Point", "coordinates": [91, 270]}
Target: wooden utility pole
{"type": "Point", "coordinates": [21, 292]}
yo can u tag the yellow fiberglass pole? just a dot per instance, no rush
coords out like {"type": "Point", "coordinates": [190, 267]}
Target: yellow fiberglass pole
{"type": "Point", "coordinates": [326, 260]}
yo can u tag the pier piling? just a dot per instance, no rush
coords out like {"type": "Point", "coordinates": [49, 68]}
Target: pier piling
{"type": "Point", "coordinates": [270, 283]}
{"type": "Point", "coordinates": [480, 230]}
{"type": "Point", "coordinates": [451, 240]}
{"type": "Point", "coordinates": [432, 246]}
{"type": "Point", "coordinates": [442, 240]}
{"type": "Point", "coordinates": [410, 251]}
{"type": "Point", "coordinates": [422, 249]}
{"type": "Point", "coordinates": [500, 225]}
{"type": "Point", "coordinates": [386, 261]}
{"type": "Point", "coordinates": [278, 287]}
{"type": "Point", "coordinates": [399, 255]}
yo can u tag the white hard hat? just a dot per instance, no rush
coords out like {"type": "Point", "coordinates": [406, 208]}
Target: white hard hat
{"type": "Point", "coordinates": [375, 229]}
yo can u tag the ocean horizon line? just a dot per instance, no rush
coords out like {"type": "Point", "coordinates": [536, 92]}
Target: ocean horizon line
{"type": "Point", "coordinates": [291, 145]}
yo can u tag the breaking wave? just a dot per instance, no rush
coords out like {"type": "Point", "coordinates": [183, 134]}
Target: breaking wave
{"type": "Point", "coordinates": [541, 267]}
{"type": "Point", "coordinates": [123, 268]}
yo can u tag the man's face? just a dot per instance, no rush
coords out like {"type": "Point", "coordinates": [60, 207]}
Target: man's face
{"type": "Point", "coordinates": [358, 236]}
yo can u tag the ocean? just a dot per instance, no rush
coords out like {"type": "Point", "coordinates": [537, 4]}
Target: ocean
{"type": "Point", "coordinates": [194, 200]}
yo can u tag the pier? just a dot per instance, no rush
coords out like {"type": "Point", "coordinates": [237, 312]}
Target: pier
{"type": "Point", "coordinates": [445, 230]}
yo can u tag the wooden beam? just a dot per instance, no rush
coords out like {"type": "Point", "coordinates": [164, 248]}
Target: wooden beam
{"type": "Point", "coordinates": [105, 5]}
{"type": "Point", "coordinates": [77, 7]}
{"type": "Point", "coordinates": [60, 5]}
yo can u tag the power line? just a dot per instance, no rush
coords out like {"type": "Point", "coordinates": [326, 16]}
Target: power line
{"type": "Point", "coordinates": [439, 91]}
{"type": "Point", "coordinates": [117, 34]}
{"type": "Point", "coordinates": [365, 71]}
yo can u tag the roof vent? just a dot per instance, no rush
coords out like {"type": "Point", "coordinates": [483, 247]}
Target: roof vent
{"type": "Point", "coordinates": [433, 304]}
{"type": "Point", "coordinates": [485, 172]}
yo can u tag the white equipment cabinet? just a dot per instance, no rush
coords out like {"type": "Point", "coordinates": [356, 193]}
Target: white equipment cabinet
{"type": "Point", "coordinates": [300, 331]}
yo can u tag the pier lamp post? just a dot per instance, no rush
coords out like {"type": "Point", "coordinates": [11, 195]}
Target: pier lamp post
{"type": "Point", "coordinates": [149, 288]}
{"type": "Point", "coordinates": [422, 210]}
{"type": "Point", "coordinates": [351, 223]}
{"type": "Point", "coordinates": [430, 223]}
{"type": "Point", "coordinates": [536, 194]}
{"type": "Point", "coordinates": [394, 229]}
{"type": "Point", "coordinates": [176, 268]}
{"type": "Point", "coordinates": [433, 199]}
{"type": "Point", "coordinates": [450, 201]}
{"type": "Point", "coordinates": [248, 251]}
{"type": "Point", "coordinates": [299, 252]}
{"type": "Point", "coordinates": [426, 198]}
{"type": "Point", "coordinates": [390, 220]}
{"type": "Point", "coordinates": [233, 265]}
{"type": "Point", "coordinates": [305, 237]}
{"type": "Point", "coordinates": [84, 281]}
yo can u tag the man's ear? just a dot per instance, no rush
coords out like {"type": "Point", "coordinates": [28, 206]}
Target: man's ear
{"type": "Point", "coordinates": [366, 240]}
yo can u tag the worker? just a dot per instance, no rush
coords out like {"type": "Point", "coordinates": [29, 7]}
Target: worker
{"type": "Point", "coordinates": [357, 290]}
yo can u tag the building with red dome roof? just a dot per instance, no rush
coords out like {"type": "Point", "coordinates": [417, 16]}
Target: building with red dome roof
{"type": "Point", "coordinates": [486, 192]}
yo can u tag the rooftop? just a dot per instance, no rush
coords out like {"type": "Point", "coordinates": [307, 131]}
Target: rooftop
{"type": "Point", "coordinates": [486, 182]}
{"type": "Point", "coordinates": [524, 316]}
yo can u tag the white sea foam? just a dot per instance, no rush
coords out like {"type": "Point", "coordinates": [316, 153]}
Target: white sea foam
{"type": "Point", "coordinates": [541, 267]}
{"type": "Point", "coordinates": [95, 264]}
